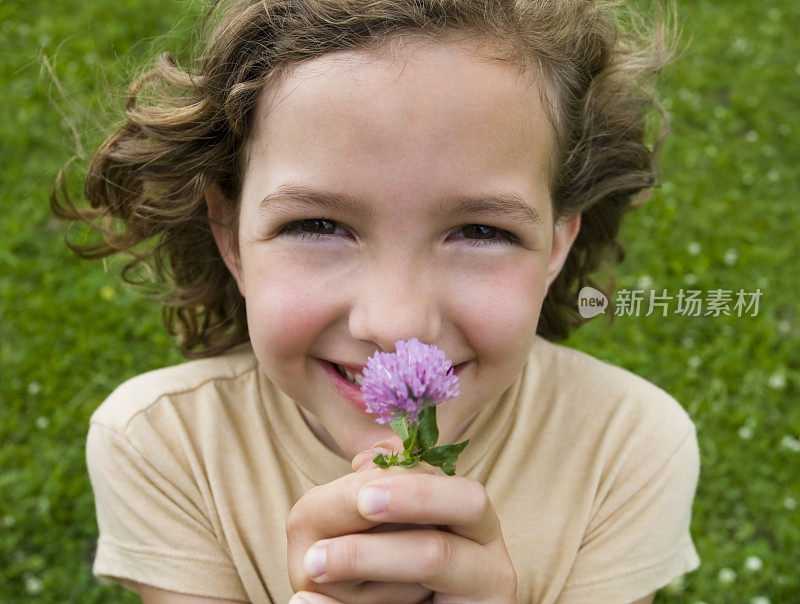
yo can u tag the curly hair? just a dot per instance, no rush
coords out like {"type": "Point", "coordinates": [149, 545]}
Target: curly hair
{"type": "Point", "coordinates": [186, 129]}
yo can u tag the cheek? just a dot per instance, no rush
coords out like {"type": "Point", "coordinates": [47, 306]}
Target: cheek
{"type": "Point", "coordinates": [288, 303]}
{"type": "Point", "coordinates": [499, 309]}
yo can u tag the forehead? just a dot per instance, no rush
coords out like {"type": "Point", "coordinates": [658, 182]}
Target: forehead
{"type": "Point", "coordinates": [432, 109]}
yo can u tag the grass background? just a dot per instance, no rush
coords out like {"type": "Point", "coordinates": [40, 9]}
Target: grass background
{"type": "Point", "coordinates": [725, 218]}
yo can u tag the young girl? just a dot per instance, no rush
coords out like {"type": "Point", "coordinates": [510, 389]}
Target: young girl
{"type": "Point", "coordinates": [334, 176]}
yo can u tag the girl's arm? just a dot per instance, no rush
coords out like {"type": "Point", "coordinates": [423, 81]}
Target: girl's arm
{"type": "Point", "coordinates": [154, 595]}
{"type": "Point", "coordinates": [314, 598]}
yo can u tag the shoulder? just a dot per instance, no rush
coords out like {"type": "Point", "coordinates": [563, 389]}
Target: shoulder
{"type": "Point", "coordinates": [614, 459]}
{"type": "Point", "coordinates": [600, 392]}
{"type": "Point", "coordinates": [140, 393]}
{"type": "Point", "coordinates": [620, 425]}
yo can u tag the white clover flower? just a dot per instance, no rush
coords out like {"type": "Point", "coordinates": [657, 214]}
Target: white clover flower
{"type": "Point", "coordinates": [694, 248]}
{"type": "Point", "coordinates": [740, 44]}
{"type": "Point", "coordinates": [726, 575]}
{"type": "Point", "coordinates": [760, 600]}
{"type": "Point", "coordinates": [753, 563]}
{"type": "Point", "coordinates": [745, 433]}
{"type": "Point", "coordinates": [731, 256]}
{"type": "Point", "coordinates": [777, 381]}
{"type": "Point", "coordinates": [790, 503]}
{"type": "Point", "coordinates": [791, 443]}
{"type": "Point", "coordinates": [33, 585]}
{"type": "Point", "coordinates": [42, 422]}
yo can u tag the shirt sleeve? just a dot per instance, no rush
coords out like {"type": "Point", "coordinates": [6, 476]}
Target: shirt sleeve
{"type": "Point", "coordinates": [640, 542]}
{"type": "Point", "coordinates": [152, 526]}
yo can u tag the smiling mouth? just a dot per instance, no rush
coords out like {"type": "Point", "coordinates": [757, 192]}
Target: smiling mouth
{"type": "Point", "coordinates": [357, 378]}
{"type": "Point", "coordinates": [354, 378]}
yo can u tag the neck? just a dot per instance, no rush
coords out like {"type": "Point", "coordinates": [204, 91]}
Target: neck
{"type": "Point", "coordinates": [321, 433]}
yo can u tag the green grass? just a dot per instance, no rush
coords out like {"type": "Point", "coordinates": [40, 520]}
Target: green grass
{"type": "Point", "coordinates": [725, 218]}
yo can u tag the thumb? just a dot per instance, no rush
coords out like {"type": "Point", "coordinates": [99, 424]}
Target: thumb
{"type": "Point", "coordinates": [363, 460]}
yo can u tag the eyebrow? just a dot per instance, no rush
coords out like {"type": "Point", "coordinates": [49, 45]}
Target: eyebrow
{"type": "Point", "coordinates": [503, 205]}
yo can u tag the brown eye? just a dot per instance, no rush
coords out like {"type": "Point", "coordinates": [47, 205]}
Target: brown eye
{"type": "Point", "coordinates": [312, 228]}
{"type": "Point", "coordinates": [319, 226]}
{"type": "Point", "coordinates": [480, 231]}
{"type": "Point", "coordinates": [484, 235]}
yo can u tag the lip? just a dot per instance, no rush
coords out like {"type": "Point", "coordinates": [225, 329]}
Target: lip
{"type": "Point", "coordinates": [351, 392]}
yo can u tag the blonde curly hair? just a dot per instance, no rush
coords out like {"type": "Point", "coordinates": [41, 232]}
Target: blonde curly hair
{"type": "Point", "coordinates": [185, 130]}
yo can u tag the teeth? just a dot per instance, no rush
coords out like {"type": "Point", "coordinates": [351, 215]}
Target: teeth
{"type": "Point", "coordinates": [353, 378]}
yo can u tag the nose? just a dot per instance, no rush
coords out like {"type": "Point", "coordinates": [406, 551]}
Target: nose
{"type": "Point", "coordinates": [391, 304]}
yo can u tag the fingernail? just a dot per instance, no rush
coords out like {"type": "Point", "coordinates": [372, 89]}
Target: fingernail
{"type": "Point", "coordinates": [314, 560]}
{"type": "Point", "coordinates": [298, 599]}
{"type": "Point", "coordinates": [372, 500]}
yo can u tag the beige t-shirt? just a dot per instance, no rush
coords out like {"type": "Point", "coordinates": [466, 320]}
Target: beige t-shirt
{"type": "Point", "coordinates": [591, 469]}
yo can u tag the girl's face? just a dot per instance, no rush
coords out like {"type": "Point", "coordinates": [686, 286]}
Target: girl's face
{"type": "Point", "coordinates": [395, 198]}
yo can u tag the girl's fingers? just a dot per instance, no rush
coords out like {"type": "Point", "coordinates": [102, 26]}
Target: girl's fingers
{"type": "Point", "coordinates": [309, 597]}
{"type": "Point", "coordinates": [369, 592]}
{"type": "Point", "coordinates": [363, 461]}
{"type": "Point", "coordinates": [442, 562]}
{"type": "Point", "coordinates": [328, 511]}
{"type": "Point", "coordinates": [457, 503]}
{"type": "Point", "coordinates": [333, 511]}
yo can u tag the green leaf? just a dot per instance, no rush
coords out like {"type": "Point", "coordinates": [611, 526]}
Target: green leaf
{"type": "Point", "coordinates": [428, 430]}
{"type": "Point", "coordinates": [444, 457]}
{"type": "Point", "coordinates": [381, 461]}
{"type": "Point", "coordinates": [400, 426]}
{"type": "Point", "coordinates": [410, 443]}
{"type": "Point", "coordinates": [386, 461]}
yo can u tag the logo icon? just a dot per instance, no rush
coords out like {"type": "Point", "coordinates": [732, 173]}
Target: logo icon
{"type": "Point", "coordinates": [591, 302]}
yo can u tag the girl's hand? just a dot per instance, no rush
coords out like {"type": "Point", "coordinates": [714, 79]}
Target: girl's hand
{"type": "Point", "coordinates": [445, 543]}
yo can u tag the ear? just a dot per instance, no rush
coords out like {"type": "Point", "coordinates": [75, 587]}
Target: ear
{"type": "Point", "coordinates": [564, 235]}
{"type": "Point", "coordinates": [220, 218]}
